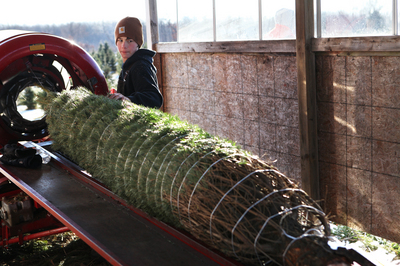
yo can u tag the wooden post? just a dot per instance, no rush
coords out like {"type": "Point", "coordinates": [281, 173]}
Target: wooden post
{"type": "Point", "coordinates": [153, 39]}
{"type": "Point", "coordinates": [151, 24]}
{"type": "Point", "coordinates": [307, 98]}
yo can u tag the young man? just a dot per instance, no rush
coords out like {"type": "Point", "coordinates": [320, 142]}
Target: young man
{"type": "Point", "coordinates": [138, 80]}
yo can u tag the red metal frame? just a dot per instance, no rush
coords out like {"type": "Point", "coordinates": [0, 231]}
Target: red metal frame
{"type": "Point", "coordinates": [17, 46]}
{"type": "Point", "coordinates": [23, 238]}
{"type": "Point", "coordinates": [59, 216]}
{"type": "Point", "coordinates": [47, 225]}
{"type": "Point", "coordinates": [18, 234]}
{"type": "Point", "coordinates": [16, 51]}
{"type": "Point", "coordinates": [3, 180]}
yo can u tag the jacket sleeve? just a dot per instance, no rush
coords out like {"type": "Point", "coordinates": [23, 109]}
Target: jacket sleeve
{"type": "Point", "coordinates": [142, 86]}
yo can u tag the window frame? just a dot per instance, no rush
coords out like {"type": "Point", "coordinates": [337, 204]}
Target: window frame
{"type": "Point", "coordinates": [338, 45]}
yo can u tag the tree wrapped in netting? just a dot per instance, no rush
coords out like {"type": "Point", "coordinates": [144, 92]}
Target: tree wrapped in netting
{"type": "Point", "coordinates": [183, 176]}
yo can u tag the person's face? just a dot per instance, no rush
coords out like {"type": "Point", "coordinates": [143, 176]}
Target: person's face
{"type": "Point", "coordinates": [126, 47]}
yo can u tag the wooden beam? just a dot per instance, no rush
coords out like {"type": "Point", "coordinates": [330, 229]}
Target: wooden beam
{"type": "Point", "coordinates": [389, 45]}
{"type": "Point", "coordinates": [307, 98]}
{"type": "Point", "coordinates": [153, 39]}
{"type": "Point", "coordinates": [151, 24]}
{"type": "Point", "coordinates": [273, 46]}
{"type": "Point", "coordinates": [357, 44]}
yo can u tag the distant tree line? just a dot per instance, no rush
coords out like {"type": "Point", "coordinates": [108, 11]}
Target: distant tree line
{"type": "Point", "coordinates": [109, 62]}
{"type": "Point", "coordinates": [89, 35]}
{"type": "Point", "coordinates": [97, 38]}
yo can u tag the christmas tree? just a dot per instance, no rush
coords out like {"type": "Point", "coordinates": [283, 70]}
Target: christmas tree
{"type": "Point", "coordinates": [180, 174]}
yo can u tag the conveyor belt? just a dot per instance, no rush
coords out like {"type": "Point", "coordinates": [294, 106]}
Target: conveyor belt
{"type": "Point", "coordinates": [120, 235]}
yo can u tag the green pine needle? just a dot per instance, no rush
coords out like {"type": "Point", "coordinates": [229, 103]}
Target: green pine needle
{"type": "Point", "coordinates": [175, 171]}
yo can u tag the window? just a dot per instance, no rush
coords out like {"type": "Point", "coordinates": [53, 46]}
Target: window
{"type": "Point", "coordinates": [278, 20]}
{"type": "Point", "coordinates": [343, 18]}
{"type": "Point", "coordinates": [225, 20]}
{"type": "Point", "coordinates": [236, 21]}
{"type": "Point", "coordinates": [167, 21]}
{"type": "Point", "coordinates": [195, 21]}
{"type": "Point", "coordinates": [231, 20]}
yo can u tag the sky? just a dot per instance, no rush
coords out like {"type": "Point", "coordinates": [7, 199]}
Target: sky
{"type": "Point", "coordinates": [50, 12]}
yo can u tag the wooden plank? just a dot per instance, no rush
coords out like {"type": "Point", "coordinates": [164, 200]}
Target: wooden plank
{"type": "Point", "coordinates": [363, 54]}
{"type": "Point", "coordinates": [357, 44]}
{"type": "Point", "coordinates": [307, 98]}
{"type": "Point", "coordinates": [281, 46]}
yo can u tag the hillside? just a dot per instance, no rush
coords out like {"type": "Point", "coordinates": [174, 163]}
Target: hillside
{"type": "Point", "coordinates": [87, 35]}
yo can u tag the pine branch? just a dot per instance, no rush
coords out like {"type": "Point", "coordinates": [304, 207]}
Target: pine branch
{"type": "Point", "coordinates": [188, 178]}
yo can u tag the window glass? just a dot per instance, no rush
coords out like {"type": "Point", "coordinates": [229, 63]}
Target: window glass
{"type": "Point", "coordinates": [278, 19]}
{"type": "Point", "coordinates": [397, 32]}
{"type": "Point", "coordinates": [167, 21]}
{"type": "Point", "coordinates": [356, 18]}
{"type": "Point", "coordinates": [195, 20]}
{"type": "Point", "coordinates": [236, 20]}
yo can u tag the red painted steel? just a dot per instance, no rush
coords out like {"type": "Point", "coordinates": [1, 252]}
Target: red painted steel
{"type": "Point", "coordinates": [59, 216]}
{"type": "Point", "coordinates": [3, 180]}
{"type": "Point", "coordinates": [22, 238]}
{"type": "Point", "coordinates": [24, 52]}
{"type": "Point", "coordinates": [18, 44]}
{"type": "Point", "coordinates": [43, 221]}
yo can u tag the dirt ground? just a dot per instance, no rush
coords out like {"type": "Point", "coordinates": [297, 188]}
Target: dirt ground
{"type": "Point", "coordinates": [61, 249]}
{"type": "Point", "coordinates": [67, 249]}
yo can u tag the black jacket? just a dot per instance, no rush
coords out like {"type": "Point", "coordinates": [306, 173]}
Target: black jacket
{"type": "Point", "coordinates": [138, 80]}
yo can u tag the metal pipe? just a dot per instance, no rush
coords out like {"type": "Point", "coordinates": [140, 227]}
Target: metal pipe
{"type": "Point", "coordinates": [15, 240]}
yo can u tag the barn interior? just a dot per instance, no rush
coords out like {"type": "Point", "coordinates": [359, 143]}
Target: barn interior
{"type": "Point", "coordinates": [311, 90]}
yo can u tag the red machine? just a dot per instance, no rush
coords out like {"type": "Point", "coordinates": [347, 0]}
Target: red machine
{"type": "Point", "coordinates": [30, 59]}
{"type": "Point", "coordinates": [59, 196]}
